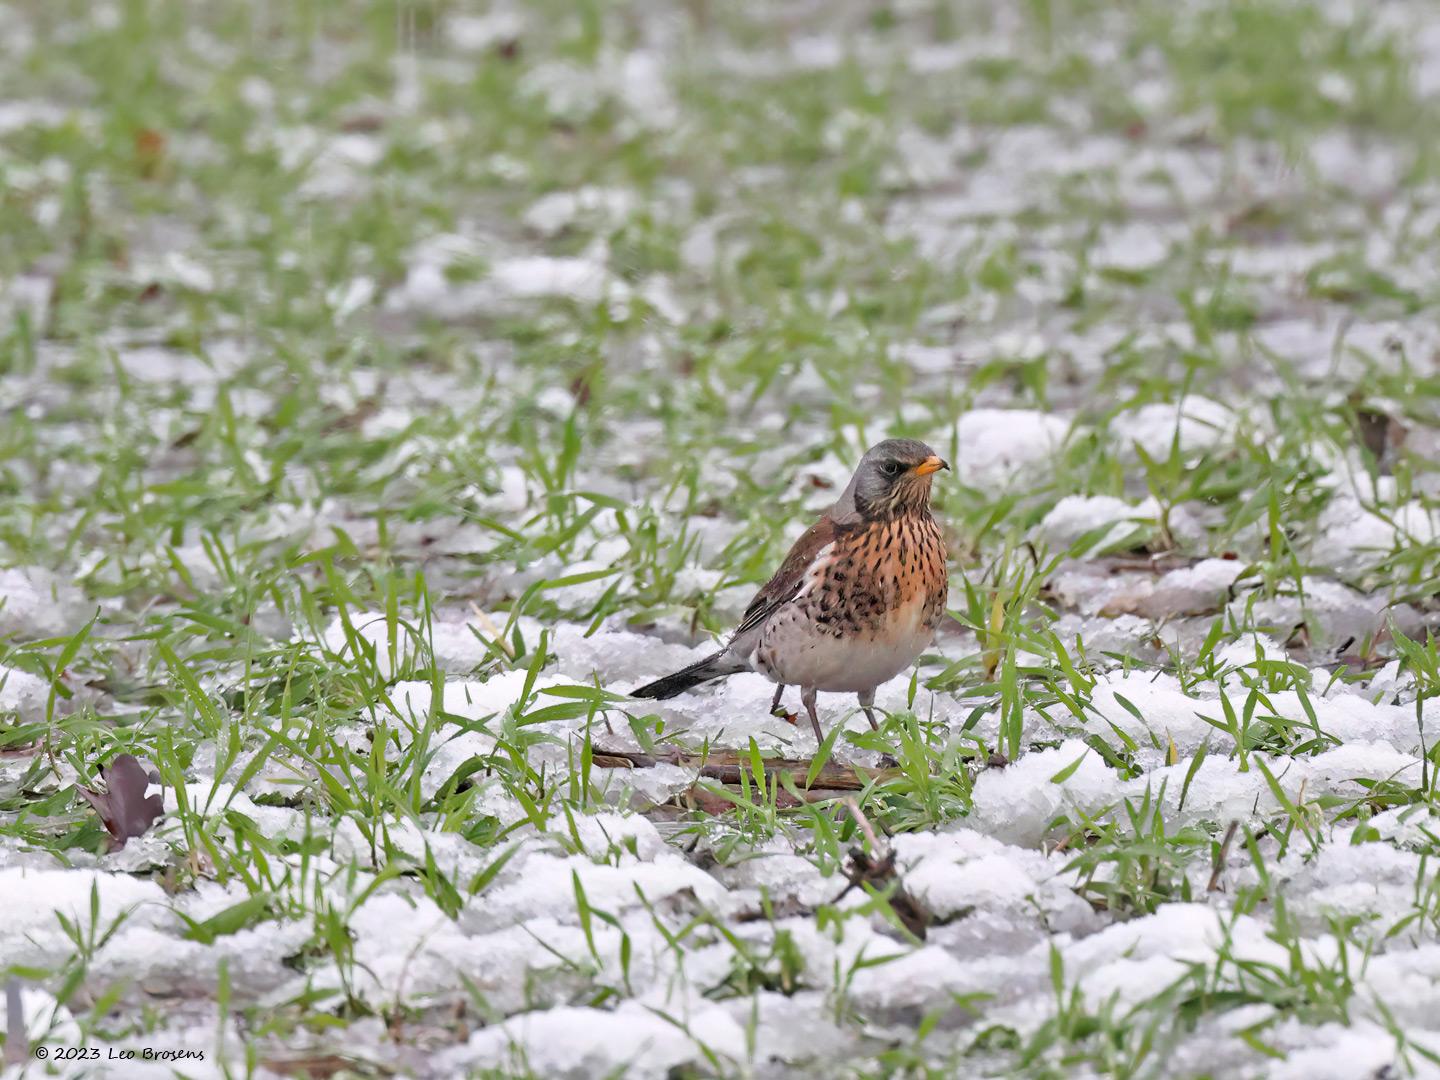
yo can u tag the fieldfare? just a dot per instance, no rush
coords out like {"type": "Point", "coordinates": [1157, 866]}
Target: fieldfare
{"type": "Point", "coordinates": [857, 599]}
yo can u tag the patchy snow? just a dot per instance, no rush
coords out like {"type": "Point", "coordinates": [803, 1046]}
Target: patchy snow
{"type": "Point", "coordinates": [1201, 589]}
{"type": "Point", "coordinates": [32, 933]}
{"type": "Point", "coordinates": [346, 301]}
{"type": "Point", "coordinates": [396, 820]}
{"type": "Point", "coordinates": [428, 288]}
{"type": "Point", "coordinates": [1159, 712]}
{"type": "Point", "coordinates": [1075, 515]}
{"type": "Point", "coordinates": [1352, 534]}
{"type": "Point", "coordinates": [37, 603]}
{"type": "Point", "coordinates": [1133, 247]}
{"type": "Point", "coordinates": [23, 693]}
{"type": "Point", "coordinates": [1145, 590]}
{"type": "Point", "coordinates": [637, 81]}
{"type": "Point", "coordinates": [178, 270]}
{"type": "Point", "coordinates": [26, 294]}
{"type": "Point", "coordinates": [552, 214]}
{"type": "Point", "coordinates": [18, 115]}
{"type": "Point", "coordinates": [581, 279]}
{"type": "Point", "coordinates": [576, 1043]}
{"type": "Point", "coordinates": [1017, 804]}
{"type": "Point", "coordinates": [477, 33]}
{"type": "Point", "coordinates": [1332, 613]}
{"type": "Point", "coordinates": [998, 444]}
{"type": "Point", "coordinates": [1197, 423]}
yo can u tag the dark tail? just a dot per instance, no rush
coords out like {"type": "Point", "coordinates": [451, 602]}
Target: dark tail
{"type": "Point", "coordinates": [712, 667]}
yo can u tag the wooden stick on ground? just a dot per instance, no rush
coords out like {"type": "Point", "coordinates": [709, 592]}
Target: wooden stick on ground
{"type": "Point", "coordinates": [864, 823]}
{"type": "Point", "coordinates": [1221, 856]}
{"type": "Point", "coordinates": [727, 766]}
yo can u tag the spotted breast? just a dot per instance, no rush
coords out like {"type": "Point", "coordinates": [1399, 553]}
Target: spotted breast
{"type": "Point", "coordinates": [867, 609]}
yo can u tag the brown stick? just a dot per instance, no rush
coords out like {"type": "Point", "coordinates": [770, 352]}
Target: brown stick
{"type": "Point", "coordinates": [700, 797]}
{"type": "Point", "coordinates": [1220, 857]}
{"type": "Point", "coordinates": [864, 823]}
{"type": "Point", "coordinates": [728, 766]}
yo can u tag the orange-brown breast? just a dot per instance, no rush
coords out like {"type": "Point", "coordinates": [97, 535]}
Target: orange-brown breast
{"type": "Point", "coordinates": [880, 572]}
{"type": "Point", "coordinates": [867, 608]}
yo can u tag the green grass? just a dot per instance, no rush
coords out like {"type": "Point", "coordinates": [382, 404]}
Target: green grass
{"type": "Point", "coordinates": [228, 509]}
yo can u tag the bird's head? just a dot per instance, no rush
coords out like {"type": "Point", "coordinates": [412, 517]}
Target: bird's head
{"type": "Point", "coordinates": [893, 478]}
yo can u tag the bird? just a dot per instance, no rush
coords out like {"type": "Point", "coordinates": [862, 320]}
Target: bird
{"type": "Point", "coordinates": [856, 600]}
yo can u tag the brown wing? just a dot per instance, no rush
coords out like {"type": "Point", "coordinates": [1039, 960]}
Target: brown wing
{"type": "Point", "coordinates": [781, 588]}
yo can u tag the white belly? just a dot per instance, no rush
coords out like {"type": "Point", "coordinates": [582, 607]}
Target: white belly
{"type": "Point", "coordinates": [794, 651]}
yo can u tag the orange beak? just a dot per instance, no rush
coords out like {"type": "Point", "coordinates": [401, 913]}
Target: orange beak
{"type": "Point", "coordinates": [929, 465]}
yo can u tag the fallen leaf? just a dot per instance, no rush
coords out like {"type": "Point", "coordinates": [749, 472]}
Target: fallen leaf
{"type": "Point", "coordinates": [1380, 432]}
{"type": "Point", "coordinates": [149, 152]}
{"type": "Point", "coordinates": [123, 806]}
{"type": "Point", "coordinates": [707, 802]}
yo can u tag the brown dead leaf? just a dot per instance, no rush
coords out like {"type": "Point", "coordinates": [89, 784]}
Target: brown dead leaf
{"type": "Point", "coordinates": [699, 797]}
{"type": "Point", "coordinates": [1378, 431]}
{"type": "Point", "coordinates": [362, 123]}
{"type": "Point", "coordinates": [149, 152]}
{"type": "Point", "coordinates": [123, 806]}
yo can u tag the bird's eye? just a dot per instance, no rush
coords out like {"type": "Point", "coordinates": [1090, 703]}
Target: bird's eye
{"type": "Point", "coordinates": [891, 468]}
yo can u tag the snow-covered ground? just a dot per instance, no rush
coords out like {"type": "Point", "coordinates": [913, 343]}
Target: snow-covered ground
{"type": "Point", "coordinates": [387, 390]}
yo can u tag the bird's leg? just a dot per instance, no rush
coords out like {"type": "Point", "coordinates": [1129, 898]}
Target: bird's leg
{"type": "Point", "coordinates": [807, 695]}
{"type": "Point", "coordinates": [777, 709]}
{"type": "Point", "coordinates": [867, 702]}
